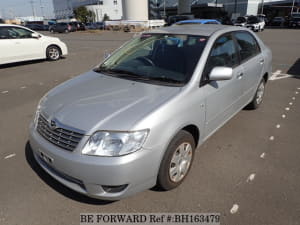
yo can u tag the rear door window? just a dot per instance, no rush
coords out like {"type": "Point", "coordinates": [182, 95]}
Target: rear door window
{"type": "Point", "coordinates": [223, 53]}
{"type": "Point", "coordinates": [247, 45]}
{"type": "Point", "coordinates": [19, 33]}
{"type": "Point", "coordinates": [4, 33]}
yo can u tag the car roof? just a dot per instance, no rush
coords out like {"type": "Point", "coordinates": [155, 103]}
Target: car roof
{"type": "Point", "coordinates": [197, 29]}
{"type": "Point", "coordinates": [5, 25]}
{"type": "Point", "coordinates": [197, 21]}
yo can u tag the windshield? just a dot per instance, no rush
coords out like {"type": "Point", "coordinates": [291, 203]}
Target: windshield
{"type": "Point", "coordinates": [241, 20]}
{"type": "Point", "coordinates": [253, 19]}
{"type": "Point", "coordinates": [156, 58]}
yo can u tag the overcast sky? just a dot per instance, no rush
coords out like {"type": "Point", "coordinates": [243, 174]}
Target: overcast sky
{"type": "Point", "coordinates": [12, 8]}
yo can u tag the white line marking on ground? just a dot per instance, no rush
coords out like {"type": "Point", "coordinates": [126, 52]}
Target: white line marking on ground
{"type": "Point", "coordinates": [293, 98]}
{"type": "Point", "coordinates": [278, 126]}
{"type": "Point", "coordinates": [271, 138]}
{"type": "Point", "coordinates": [290, 103]}
{"type": "Point", "coordinates": [56, 80]}
{"type": "Point", "coordinates": [298, 88]}
{"type": "Point", "coordinates": [296, 92]}
{"type": "Point", "coordinates": [277, 72]}
{"type": "Point", "coordinates": [41, 83]}
{"type": "Point", "coordinates": [234, 209]}
{"type": "Point", "coordinates": [263, 155]}
{"type": "Point", "coordinates": [10, 156]}
{"type": "Point", "coordinates": [277, 75]}
{"type": "Point", "coordinates": [23, 87]}
{"type": "Point", "coordinates": [251, 177]}
{"type": "Point", "coordinates": [287, 108]}
{"type": "Point", "coordinates": [4, 92]}
{"type": "Point", "coordinates": [283, 116]}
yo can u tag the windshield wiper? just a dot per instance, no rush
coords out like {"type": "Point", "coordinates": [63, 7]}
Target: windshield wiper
{"type": "Point", "coordinates": [166, 79]}
{"type": "Point", "coordinates": [121, 73]}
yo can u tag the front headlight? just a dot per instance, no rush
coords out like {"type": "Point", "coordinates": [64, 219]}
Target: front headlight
{"type": "Point", "coordinates": [111, 143]}
{"type": "Point", "coordinates": [38, 110]}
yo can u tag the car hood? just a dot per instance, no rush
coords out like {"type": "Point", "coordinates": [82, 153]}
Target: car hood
{"type": "Point", "coordinates": [95, 101]}
{"type": "Point", "coordinates": [55, 39]}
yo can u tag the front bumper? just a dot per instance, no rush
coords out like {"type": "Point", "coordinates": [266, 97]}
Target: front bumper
{"type": "Point", "coordinates": [253, 28]}
{"type": "Point", "coordinates": [64, 49]}
{"type": "Point", "coordinates": [90, 174]}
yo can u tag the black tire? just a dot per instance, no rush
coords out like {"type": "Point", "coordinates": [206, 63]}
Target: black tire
{"type": "Point", "coordinates": [164, 180]}
{"type": "Point", "coordinates": [53, 53]}
{"type": "Point", "coordinates": [258, 97]}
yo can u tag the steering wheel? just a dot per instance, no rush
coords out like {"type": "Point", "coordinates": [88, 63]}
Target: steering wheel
{"type": "Point", "coordinates": [146, 60]}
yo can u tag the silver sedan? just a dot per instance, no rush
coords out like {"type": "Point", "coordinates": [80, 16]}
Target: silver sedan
{"type": "Point", "coordinates": [135, 120]}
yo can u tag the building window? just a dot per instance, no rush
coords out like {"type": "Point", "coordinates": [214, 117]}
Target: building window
{"type": "Point", "coordinates": [115, 2]}
{"type": "Point", "coordinates": [100, 2]}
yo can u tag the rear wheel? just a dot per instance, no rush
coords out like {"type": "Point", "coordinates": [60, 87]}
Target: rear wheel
{"type": "Point", "coordinates": [258, 97]}
{"type": "Point", "coordinates": [177, 161]}
{"type": "Point", "coordinates": [53, 53]}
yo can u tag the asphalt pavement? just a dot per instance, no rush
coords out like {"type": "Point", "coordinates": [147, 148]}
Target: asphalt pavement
{"type": "Point", "coordinates": [248, 170]}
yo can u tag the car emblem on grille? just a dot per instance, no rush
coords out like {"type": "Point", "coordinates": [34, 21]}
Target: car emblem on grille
{"type": "Point", "coordinates": [52, 125]}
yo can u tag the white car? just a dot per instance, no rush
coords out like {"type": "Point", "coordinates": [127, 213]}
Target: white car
{"type": "Point", "coordinates": [19, 43]}
{"type": "Point", "coordinates": [256, 23]}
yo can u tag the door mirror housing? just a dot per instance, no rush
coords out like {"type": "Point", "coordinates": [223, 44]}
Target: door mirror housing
{"type": "Point", "coordinates": [35, 35]}
{"type": "Point", "coordinates": [106, 54]}
{"type": "Point", "coordinates": [221, 73]}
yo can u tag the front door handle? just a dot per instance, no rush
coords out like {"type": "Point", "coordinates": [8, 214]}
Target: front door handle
{"type": "Point", "coordinates": [240, 75]}
{"type": "Point", "coordinates": [262, 61]}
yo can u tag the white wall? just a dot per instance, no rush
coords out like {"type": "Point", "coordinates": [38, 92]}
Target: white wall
{"type": "Point", "coordinates": [64, 8]}
{"type": "Point", "coordinates": [252, 8]}
{"type": "Point", "coordinates": [114, 11]}
{"type": "Point", "coordinates": [135, 10]}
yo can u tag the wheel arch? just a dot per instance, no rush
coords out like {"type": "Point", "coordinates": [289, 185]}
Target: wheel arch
{"type": "Point", "coordinates": [194, 131]}
{"type": "Point", "coordinates": [266, 77]}
{"type": "Point", "coordinates": [55, 45]}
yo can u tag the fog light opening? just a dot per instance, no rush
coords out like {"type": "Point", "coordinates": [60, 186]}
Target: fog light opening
{"type": "Point", "coordinates": [114, 189]}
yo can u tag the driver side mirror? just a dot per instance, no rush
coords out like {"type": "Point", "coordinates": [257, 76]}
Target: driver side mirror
{"type": "Point", "coordinates": [35, 35]}
{"type": "Point", "coordinates": [221, 73]}
{"type": "Point", "coordinates": [106, 54]}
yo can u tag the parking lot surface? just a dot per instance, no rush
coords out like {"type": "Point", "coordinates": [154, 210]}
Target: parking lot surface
{"type": "Point", "coordinates": [248, 170]}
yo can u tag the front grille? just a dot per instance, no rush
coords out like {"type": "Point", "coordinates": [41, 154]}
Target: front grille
{"type": "Point", "coordinates": [61, 137]}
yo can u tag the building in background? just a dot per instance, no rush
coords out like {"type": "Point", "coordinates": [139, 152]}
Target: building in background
{"type": "Point", "coordinates": [233, 7]}
{"type": "Point", "coordinates": [63, 9]}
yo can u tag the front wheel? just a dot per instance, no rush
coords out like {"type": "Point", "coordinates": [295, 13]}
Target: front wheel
{"type": "Point", "coordinates": [53, 53]}
{"type": "Point", "coordinates": [258, 97]}
{"type": "Point", "coordinates": [177, 161]}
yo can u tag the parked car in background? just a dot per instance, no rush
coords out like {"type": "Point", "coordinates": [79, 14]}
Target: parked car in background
{"type": "Point", "coordinates": [95, 26]}
{"type": "Point", "coordinates": [81, 26]}
{"type": "Point", "coordinates": [90, 26]}
{"type": "Point", "coordinates": [77, 26]}
{"type": "Point", "coordinates": [174, 19]}
{"type": "Point", "coordinates": [277, 21]}
{"type": "Point", "coordinates": [198, 21]}
{"type": "Point", "coordinates": [241, 21]}
{"type": "Point", "coordinates": [62, 28]}
{"type": "Point", "coordinates": [294, 21]}
{"type": "Point", "coordinates": [255, 23]}
{"type": "Point", "coordinates": [135, 120]}
{"type": "Point", "coordinates": [99, 25]}
{"type": "Point", "coordinates": [37, 27]}
{"type": "Point", "coordinates": [18, 43]}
